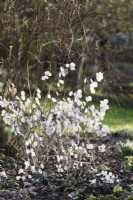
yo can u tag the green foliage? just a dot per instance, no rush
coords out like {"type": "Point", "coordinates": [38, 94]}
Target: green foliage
{"type": "Point", "coordinates": [105, 168]}
{"type": "Point", "coordinates": [117, 188]}
{"type": "Point", "coordinates": [67, 185]}
{"type": "Point", "coordinates": [130, 197]}
{"type": "Point", "coordinates": [38, 176]}
{"type": "Point", "coordinates": [2, 155]}
{"type": "Point", "coordinates": [128, 164]}
{"type": "Point", "coordinates": [127, 148]}
{"type": "Point", "coordinates": [131, 187]}
{"type": "Point", "coordinates": [106, 197]}
{"type": "Point", "coordinates": [92, 197]}
{"type": "Point", "coordinates": [109, 197]}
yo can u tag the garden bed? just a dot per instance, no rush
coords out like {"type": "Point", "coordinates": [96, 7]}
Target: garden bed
{"type": "Point", "coordinates": [89, 183]}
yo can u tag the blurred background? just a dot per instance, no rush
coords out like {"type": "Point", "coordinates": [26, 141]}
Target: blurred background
{"type": "Point", "coordinates": [97, 35]}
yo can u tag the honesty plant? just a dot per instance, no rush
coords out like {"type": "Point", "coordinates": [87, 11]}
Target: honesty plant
{"type": "Point", "coordinates": [41, 132]}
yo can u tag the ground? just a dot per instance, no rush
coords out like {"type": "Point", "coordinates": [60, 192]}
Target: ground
{"type": "Point", "coordinates": [79, 186]}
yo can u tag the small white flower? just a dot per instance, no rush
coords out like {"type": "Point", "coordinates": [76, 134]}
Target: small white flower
{"type": "Point", "coordinates": [32, 152]}
{"type": "Point", "coordinates": [34, 117]}
{"type": "Point", "coordinates": [72, 66]}
{"type": "Point", "coordinates": [29, 100]}
{"type": "Point", "coordinates": [85, 80]}
{"type": "Point", "coordinates": [37, 101]}
{"type": "Point", "coordinates": [89, 146]}
{"type": "Point", "coordinates": [99, 174]}
{"type": "Point", "coordinates": [40, 139]}
{"type": "Point", "coordinates": [57, 93]}
{"type": "Point", "coordinates": [104, 104]}
{"type": "Point", "coordinates": [102, 148]}
{"type": "Point", "coordinates": [104, 173]}
{"type": "Point", "coordinates": [18, 178]}
{"type": "Point", "coordinates": [58, 158]}
{"type": "Point", "coordinates": [27, 164]}
{"type": "Point", "coordinates": [99, 76]}
{"type": "Point", "coordinates": [59, 168]}
{"type": "Point", "coordinates": [63, 72]}
{"type": "Point", "coordinates": [29, 176]}
{"type": "Point", "coordinates": [27, 142]}
{"type": "Point", "coordinates": [93, 181]}
{"type": "Point", "coordinates": [18, 130]}
{"type": "Point", "coordinates": [93, 85]}
{"type": "Point", "coordinates": [110, 174]}
{"type": "Point", "coordinates": [23, 120]}
{"type": "Point", "coordinates": [71, 153]}
{"type": "Point", "coordinates": [78, 94]}
{"type": "Point", "coordinates": [49, 96]}
{"type": "Point", "coordinates": [47, 73]}
{"type": "Point", "coordinates": [39, 95]}
{"type": "Point", "coordinates": [61, 81]}
{"type": "Point", "coordinates": [104, 130]}
{"type": "Point", "coordinates": [21, 171]}
{"type": "Point", "coordinates": [33, 169]}
{"type": "Point", "coordinates": [70, 93]}
{"type": "Point", "coordinates": [76, 147]}
{"type": "Point", "coordinates": [81, 164]}
{"type": "Point", "coordinates": [40, 171]}
{"type": "Point", "coordinates": [58, 84]}
{"type": "Point", "coordinates": [27, 151]}
{"type": "Point", "coordinates": [3, 113]}
{"type": "Point", "coordinates": [3, 173]}
{"type": "Point", "coordinates": [50, 130]}
{"type": "Point", "coordinates": [38, 90]}
{"type": "Point", "coordinates": [23, 178]}
{"type": "Point", "coordinates": [76, 156]}
{"type": "Point", "coordinates": [34, 106]}
{"type": "Point", "coordinates": [53, 99]}
{"type": "Point", "coordinates": [61, 157]}
{"type": "Point", "coordinates": [44, 78]}
{"type": "Point", "coordinates": [113, 176]}
{"type": "Point", "coordinates": [35, 144]}
{"type": "Point", "coordinates": [67, 65]}
{"type": "Point", "coordinates": [42, 166]}
{"type": "Point", "coordinates": [65, 167]}
{"type": "Point", "coordinates": [89, 98]}
{"type": "Point", "coordinates": [27, 104]}
{"type": "Point", "coordinates": [23, 95]}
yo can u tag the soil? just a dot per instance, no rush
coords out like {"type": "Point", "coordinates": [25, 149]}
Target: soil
{"type": "Point", "coordinates": [57, 186]}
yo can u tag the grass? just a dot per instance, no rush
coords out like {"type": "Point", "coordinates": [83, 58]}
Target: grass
{"type": "Point", "coordinates": [119, 117]}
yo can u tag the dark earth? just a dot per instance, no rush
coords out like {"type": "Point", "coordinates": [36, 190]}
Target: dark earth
{"type": "Point", "coordinates": [78, 186]}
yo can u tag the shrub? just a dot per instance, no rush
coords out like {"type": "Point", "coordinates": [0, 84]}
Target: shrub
{"type": "Point", "coordinates": [56, 132]}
